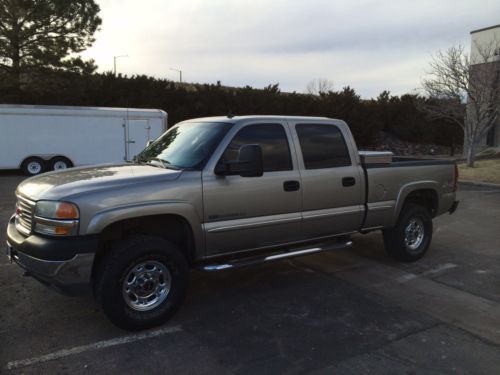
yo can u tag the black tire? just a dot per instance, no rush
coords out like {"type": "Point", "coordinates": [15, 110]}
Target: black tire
{"type": "Point", "coordinates": [60, 162]}
{"type": "Point", "coordinates": [412, 248]}
{"type": "Point", "coordinates": [33, 166]}
{"type": "Point", "coordinates": [120, 261]}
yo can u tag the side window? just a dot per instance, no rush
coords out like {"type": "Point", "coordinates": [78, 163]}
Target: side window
{"type": "Point", "coordinates": [323, 146]}
{"type": "Point", "coordinates": [273, 141]}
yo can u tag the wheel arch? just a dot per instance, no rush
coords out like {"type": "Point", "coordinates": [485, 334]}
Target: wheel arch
{"type": "Point", "coordinates": [422, 193]}
{"type": "Point", "coordinates": [171, 227]}
{"type": "Point", "coordinates": [52, 157]}
{"type": "Point", "coordinates": [44, 159]}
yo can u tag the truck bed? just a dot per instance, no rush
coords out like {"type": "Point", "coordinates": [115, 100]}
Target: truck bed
{"type": "Point", "coordinates": [385, 190]}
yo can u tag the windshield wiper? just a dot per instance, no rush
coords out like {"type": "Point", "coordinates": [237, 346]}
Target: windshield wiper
{"type": "Point", "coordinates": [164, 163]}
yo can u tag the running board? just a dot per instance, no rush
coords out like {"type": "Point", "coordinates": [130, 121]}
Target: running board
{"type": "Point", "coordinates": [325, 246]}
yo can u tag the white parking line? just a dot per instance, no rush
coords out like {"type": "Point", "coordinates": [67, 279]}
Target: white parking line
{"type": "Point", "coordinates": [95, 346]}
{"type": "Point", "coordinates": [410, 276]}
{"type": "Point", "coordinates": [439, 268]}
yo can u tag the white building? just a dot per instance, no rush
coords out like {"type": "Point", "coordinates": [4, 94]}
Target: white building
{"type": "Point", "coordinates": [487, 40]}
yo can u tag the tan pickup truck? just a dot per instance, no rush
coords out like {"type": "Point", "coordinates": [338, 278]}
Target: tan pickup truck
{"type": "Point", "coordinates": [219, 193]}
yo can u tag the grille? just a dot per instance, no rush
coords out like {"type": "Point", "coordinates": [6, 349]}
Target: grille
{"type": "Point", "coordinates": [24, 215]}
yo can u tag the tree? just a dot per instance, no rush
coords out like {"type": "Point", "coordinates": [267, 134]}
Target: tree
{"type": "Point", "coordinates": [319, 86]}
{"type": "Point", "coordinates": [45, 34]}
{"type": "Point", "coordinates": [465, 90]}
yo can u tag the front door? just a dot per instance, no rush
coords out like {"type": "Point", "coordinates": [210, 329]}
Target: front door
{"type": "Point", "coordinates": [248, 213]}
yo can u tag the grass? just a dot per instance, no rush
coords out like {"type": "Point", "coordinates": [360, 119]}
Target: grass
{"type": "Point", "coordinates": [483, 171]}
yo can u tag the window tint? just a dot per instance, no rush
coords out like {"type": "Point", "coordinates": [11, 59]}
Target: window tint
{"type": "Point", "coordinates": [271, 138]}
{"type": "Point", "coordinates": [323, 146]}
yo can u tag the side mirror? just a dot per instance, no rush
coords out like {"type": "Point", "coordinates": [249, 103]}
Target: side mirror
{"type": "Point", "coordinates": [249, 163]}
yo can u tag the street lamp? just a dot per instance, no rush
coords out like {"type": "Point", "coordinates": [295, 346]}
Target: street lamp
{"type": "Point", "coordinates": [180, 74]}
{"type": "Point", "coordinates": [114, 62]}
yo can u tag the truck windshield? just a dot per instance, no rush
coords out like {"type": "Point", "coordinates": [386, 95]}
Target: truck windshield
{"type": "Point", "coordinates": [185, 146]}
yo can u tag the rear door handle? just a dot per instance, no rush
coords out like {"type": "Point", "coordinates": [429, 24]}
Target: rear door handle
{"type": "Point", "coordinates": [348, 181]}
{"type": "Point", "coordinates": [291, 185]}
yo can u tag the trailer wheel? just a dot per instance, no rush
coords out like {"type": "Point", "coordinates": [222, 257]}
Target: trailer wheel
{"type": "Point", "coordinates": [60, 162]}
{"type": "Point", "coordinates": [33, 166]}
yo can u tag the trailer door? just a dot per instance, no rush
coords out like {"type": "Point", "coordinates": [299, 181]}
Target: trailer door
{"type": "Point", "coordinates": [138, 135]}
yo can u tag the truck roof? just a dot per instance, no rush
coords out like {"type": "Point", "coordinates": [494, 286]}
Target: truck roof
{"type": "Point", "coordinates": [234, 119]}
{"type": "Point", "coordinates": [49, 110]}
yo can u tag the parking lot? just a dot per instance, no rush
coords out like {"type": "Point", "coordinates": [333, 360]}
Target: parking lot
{"type": "Point", "coordinates": [353, 311]}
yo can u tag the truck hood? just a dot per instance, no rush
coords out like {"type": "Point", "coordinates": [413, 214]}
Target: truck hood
{"type": "Point", "coordinates": [74, 181]}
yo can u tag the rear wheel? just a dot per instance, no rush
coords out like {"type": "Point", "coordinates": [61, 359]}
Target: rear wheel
{"type": "Point", "coordinates": [141, 282]}
{"type": "Point", "coordinates": [60, 162]}
{"type": "Point", "coordinates": [33, 166]}
{"type": "Point", "coordinates": [411, 237]}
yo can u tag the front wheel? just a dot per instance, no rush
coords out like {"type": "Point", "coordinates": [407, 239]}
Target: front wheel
{"type": "Point", "coordinates": [411, 237]}
{"type": "Point", "coordinates": [141, 282]}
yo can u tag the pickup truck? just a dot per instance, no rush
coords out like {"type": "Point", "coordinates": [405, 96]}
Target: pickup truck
{"type": "Point", "coordinates": [218, 193]}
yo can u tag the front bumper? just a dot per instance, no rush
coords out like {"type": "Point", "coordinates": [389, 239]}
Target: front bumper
{"type": "Point", "coordinates": [62, 263]}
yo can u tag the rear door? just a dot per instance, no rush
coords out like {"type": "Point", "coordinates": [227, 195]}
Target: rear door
{"type": "Point", "coordinates": [246, 213]}
{"type": "Point", "coordinates": [332, 184]}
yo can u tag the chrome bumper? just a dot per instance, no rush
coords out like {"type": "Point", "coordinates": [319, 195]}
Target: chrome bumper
{"type": "Point", "coordinates": [70, 277]}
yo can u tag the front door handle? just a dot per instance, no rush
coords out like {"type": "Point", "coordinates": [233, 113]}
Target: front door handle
{"type": "Point", "coordinates": [291, 185]}
{"type": "Point", "coordinates": [348, 181]}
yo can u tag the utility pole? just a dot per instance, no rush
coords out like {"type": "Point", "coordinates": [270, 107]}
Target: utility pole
{"type": "Point", "coordinates": [180, 73]}
{"type": "Point", "coordinates": [114, 63]}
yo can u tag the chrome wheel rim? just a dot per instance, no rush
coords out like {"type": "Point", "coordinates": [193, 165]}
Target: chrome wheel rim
{"type": "Point", "coordinates": [414, 234]}
{"type": "Point", "coordinates": [146, 285]}
{"type": "Point", "coordinates": [60, 165]}
{"type": "Point", "coordinates": [34, 167]}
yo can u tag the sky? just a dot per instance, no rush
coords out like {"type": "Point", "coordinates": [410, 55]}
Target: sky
{"type": "Point", "coordinates": [369, 45]}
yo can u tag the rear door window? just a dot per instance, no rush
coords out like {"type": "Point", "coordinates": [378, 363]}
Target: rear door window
{"type": "Point", "coordinates": [323, 146]}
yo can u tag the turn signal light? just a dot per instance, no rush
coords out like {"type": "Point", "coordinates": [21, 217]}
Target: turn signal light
{"type": "Point", "coordinates": [66, 211]}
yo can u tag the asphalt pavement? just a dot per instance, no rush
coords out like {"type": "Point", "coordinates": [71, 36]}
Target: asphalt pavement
{"type": "Point", "coordinates": [353, 311]}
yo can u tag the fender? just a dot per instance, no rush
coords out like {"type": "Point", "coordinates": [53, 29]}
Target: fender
{"type": "Point", "coordinates": [104, 218]}
{"type": "Point", "coordinates": [407, 189]}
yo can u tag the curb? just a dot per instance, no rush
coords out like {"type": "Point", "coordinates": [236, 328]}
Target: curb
{"type": "Point", "coordinates": [479, 183]}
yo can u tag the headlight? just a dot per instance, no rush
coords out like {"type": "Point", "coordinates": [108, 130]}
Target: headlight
{"type": "Point", "coordinates": [56, 218]}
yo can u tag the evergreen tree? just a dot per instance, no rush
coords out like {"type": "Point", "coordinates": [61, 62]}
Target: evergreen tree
{"type": "Point", "coordinates": [37, 35]}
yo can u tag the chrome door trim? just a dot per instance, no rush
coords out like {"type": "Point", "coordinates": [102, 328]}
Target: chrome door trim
{"type": "Point", "coordinates": [250, 223]}
{"type": "Point", "coordinates": [331, 212]}
{"type": "Point", "coordinates": [382, 205]}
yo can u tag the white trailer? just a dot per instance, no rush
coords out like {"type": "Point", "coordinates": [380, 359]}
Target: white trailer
{"type": "Point", "coordinates": [39, 138]}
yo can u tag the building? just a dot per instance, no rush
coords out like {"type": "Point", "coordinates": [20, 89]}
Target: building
{"type": "Point", "coordinates": [487, 40]}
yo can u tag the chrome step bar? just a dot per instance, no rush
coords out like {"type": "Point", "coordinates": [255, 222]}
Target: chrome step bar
{"type": "Point", "coordinates": [326, 246]}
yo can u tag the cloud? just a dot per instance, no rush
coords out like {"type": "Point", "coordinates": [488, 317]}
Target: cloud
{"type": "Point", "coordinates": [369, 45]}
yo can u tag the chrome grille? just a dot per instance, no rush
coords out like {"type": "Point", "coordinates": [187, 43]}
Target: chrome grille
{"type": "Point", "coordinates": [24, 214]}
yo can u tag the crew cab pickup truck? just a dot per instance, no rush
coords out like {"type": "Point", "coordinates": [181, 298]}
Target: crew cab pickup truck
{"type": "Point", "coordinates": [214, 194]}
